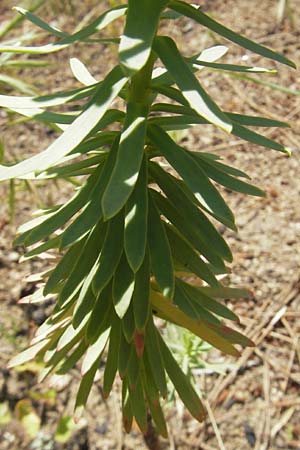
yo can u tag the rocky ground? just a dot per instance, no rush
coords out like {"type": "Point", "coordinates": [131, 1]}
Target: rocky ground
{"type": "Point", "coordinates": [255, 404]}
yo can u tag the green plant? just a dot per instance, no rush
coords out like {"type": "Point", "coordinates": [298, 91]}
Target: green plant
{"type": "Point", "coordinates": [133, 230]}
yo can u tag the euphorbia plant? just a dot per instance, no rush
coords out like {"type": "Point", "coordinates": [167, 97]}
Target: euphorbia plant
{"type": "Point", "coordinates": [134, 231]}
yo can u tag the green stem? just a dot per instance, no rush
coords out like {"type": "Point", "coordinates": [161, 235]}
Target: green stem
{"type": "Point", "coordinates": [139, 91]}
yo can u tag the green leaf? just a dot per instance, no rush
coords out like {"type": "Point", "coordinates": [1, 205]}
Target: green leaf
{"type": "Point", "coordinates": [200, 328]}
{"type": "Point", "coordinates": [152, 396]}
{"type": "Point", "coordinates": [29, 353]}
{"type": "Point", "coordinates": [59, 98]}
{"type": "Point", "coordinates": [141, 25]}
{"type": "Point", "coordinates": [192, 309]}
{"type": "Point", "coordinates": [95, 351]}
{"type": "Point", "coordinates": [225, 292]}
{"type": "Point", "coordinates": [126, 171]}
{"type": "Point", "coordinates": [153, 358]}
{"type": "Point", "coordinates": [226, 180]}
{"type": "Point", "coordinates": [18, 84]}
{"type": "Point", "coordinates": [75, 133]}
{"type": "Point", "coordinates": [181, 383]}
{"type": "Point", "coordinates": [62, 269]}
{"type": "Point", "coordinates": [133, 368]}
{"type": "Point", "coordinates": [184, 253]}
{"type": "Point", "coordinates": [39, 22]}
{"type": "Point", "coordinates": [84, 389]}
{"type": "Point", "coordinates": [85, 301]}
{"type": "Point", "coordinates": [258, 139]}
{"type": "Point", "coordinates": [123, 286]}
{"type": "Point", "coordinates": [136, 220]}
{"type": "Point", "coordinates": [41, 227]}
{"type": "Point", "coordinates": [101, 315]}
{"type": "Point", "coordinates": [81, 72]}
{"type": "Point", "coordinates": [98, 24]}
{"type": "Point", "coordinates": [138, 405]}
{"type": "Point", "coordinates": [199, 297]}
{"type": "Point", "coordinates": [189, 210]}
{"type": "Point", "coordinates": [160, 252]}
{"type": "Point", "coordinates": [126, 408]}
{"type": "Point", "coordinates": [124, 350]}
{"type": "Point", "coordinates": [111, 365]}
{"type": "Point", "coordinates": [208, 22]}
{"type": "Point", "coordinates": [188, 230]}
{"type": "Point", "coordinates": [190, 87]}
{"type": "Point", "coordinates": [195, 179]}
{"type": "Point", "coordinates": [68, 363]}
{"type": "Point", "coordinates": [229, 67]}
{"type": "Point", "coordinates": [273, 86]}
{"type": "Point", "coordinates": [110, 254]}
{"type": "Point", "coordinates": [128, 324]}
{"type": "Point", "coordinates": [84, 264]}
{"type": "Point", "coordinates": [91, 214]}
{"type": "Point", "coordinates": [140, 299]}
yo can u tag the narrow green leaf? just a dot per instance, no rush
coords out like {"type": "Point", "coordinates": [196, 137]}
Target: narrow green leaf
{"type": "Point", "coordinates": [141, 25]}
{"type": "Point", "coordinates": [111, 252]}
{"type": "Point", "coordinates": [124, 351]}
{"type": "Point", "coordinates": [126, 408]}
{"type": "Point", "coordinates": [258, 139]}
{"type": "Point", "coordinates": [111, 365]}
{"type": "Point", "coordinates": [225, 292]}
{"type": "Point", "coordinates": [226, 180]}
{"type": "Point", "coordinates": [81, 72]}
{"type": "Point", "coordinates": [188, 230]}
{"type": "Point", "coordinates": [18, 84]}
{"type": "Point", "coordinates": [229, 67]}
{"type": "Point", "coordinates": [152, 396]}
{"type": "Point", "coordinates": [153, 357]}
{"type": "Point", "coordinates": [200, 328]}
{"type": "Point", "coordinates": [94, 352]}
{"type": "Point", "coordinates": [123, 286]}
{"type": "Point", "coordinates": [181, 383]}
{"type": "Point", "coordinates": [84, 264]}
{"type": "Point", "coordinates": [184, 253]}
{"type": "Point", "coordinates": [29, 353]}
{"type": "Point", "coordinates": [189, 210]}
{"type": "Point", "coordinates": [128, 324]}
{"type": "Point", "coordinates": [191, 88]}
{"type": "Point", "coordinates": [98, 24]}
{"type": "Point", "coordinates": [84, 389]}
{"type": "Point", "coordinates": [160, 252]}
{"type": "Point", "coordinates": [72, 359]}
{"type": "Point", "coordinates": [62, 269]}
{"type": "Point", "coordinates": [75, 133]}
{"type": "Point", "coordinates": [91, 214]}
{"type": "Point", "coordinates": [140, 299]}
{"type": "Point", "coordinates": [136, 221]}
{"type": "Point", "coordinates": [192, 309]}
{"type": "Point", "coordinates": [138, 404]}
{"type": "Point", "coordinates": [45, 101]}
{"type": "Point", "coordinates": [125, 173]}
{"type": "Point", "coordinates": [195, 179]}
{"type": "Point", "coordinates": [39, 22]}
{"type": "Point", "coordinates": [101, 315]}
{"type": "Point", "coordinates": [197, 15]}
{"type": "Point", "coordinates": [133, 368]}
{"type": "Point", "coordinates": [198, 296]}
